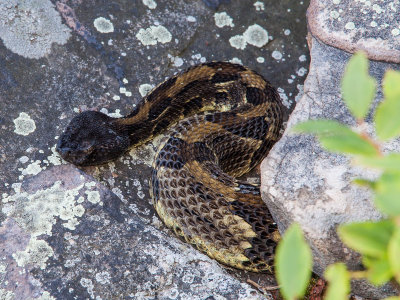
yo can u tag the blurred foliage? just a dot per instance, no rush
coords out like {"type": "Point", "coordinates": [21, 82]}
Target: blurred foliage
{"type": "Point", "coordinates": [378, 242]}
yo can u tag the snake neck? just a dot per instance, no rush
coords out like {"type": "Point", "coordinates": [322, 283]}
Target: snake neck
{"type": "Point", "coordinates": [141, 125]}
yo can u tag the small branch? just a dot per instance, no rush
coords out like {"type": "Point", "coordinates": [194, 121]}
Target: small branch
{"type": "Point", "coordinates": [261, 288]}
{"type": "Point", "coordinates": [364, 135]}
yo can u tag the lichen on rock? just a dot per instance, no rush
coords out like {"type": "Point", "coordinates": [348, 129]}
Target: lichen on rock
{"type": "Point", "coordinates": [30, 27]}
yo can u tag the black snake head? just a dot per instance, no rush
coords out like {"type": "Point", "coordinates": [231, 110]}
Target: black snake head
{"type": "Point", "coordinates": [91, 138]}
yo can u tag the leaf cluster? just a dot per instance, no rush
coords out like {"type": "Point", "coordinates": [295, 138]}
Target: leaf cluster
{"type": "Point", "coordinates": [378, 242]}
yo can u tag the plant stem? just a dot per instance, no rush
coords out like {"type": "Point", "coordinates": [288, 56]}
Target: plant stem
{"type": "Point", "coordinates": [358, 274]}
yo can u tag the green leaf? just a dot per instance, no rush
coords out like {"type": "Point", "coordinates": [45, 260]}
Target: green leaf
{"type": "Point", "coordinates": [358, 88]}
{"type": "Point", "coordinates": [365, 182]}
{"type": "Point", "coordinates": [387, 193]}
{"type": "Point", "coordinates": [350, 143]}
{"type": "Point", "coordinates": [321, 127]}
{"type": "Point", "coordinates": [394, 254]}
{"type": "Point", "coordinates": [368, 238]}
{"type": "Point", "coordinates": [337, 137]}
{"type": "Point", "coordinates": [293, 263]}
{"type": "Point", "coordinates": [339, 282]}
{"type": "Point", "coordinates": [390, 162]}
{"type": "Point", "coordinates": [387, 119]}
{"type": "Point", "coordinates": [379, 271]}
{"type": "Point", "coordinates": [392, 298]}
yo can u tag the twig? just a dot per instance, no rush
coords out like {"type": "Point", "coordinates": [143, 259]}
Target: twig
{"type": "Point", "coordinates": [262, 288]}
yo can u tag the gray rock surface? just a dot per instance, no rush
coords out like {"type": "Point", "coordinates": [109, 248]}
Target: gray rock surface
{"type": "Point", "coordinates": [373, 26]}
{"type": "Point", "coordinates": [303, 183]}
{"type": "Point", "coordinates": [68, 234]}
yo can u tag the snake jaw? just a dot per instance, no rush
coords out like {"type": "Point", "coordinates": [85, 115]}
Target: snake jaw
{"type": "Point", "coordinates": [91, 139]}
{"type": "Point", "coordinates": [76, 156]}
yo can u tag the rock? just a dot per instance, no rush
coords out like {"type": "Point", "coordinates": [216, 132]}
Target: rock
{"type": "Point", "coordinates": [70, 235]}
{"type": "Point", "coordinates": [300, 181]}
{"type": "Point", "coordinates": [361, 25]}
{"type": "Point", "coordinates": [94, 233]}
{"type": "Point", "coordinates": [303, 183]}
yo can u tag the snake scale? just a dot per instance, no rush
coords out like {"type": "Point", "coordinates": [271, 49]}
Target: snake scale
{"type": "Point", "coordinates": [222, 119]}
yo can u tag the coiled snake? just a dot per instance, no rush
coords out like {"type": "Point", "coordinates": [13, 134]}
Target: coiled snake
{"type": "Point", "coordinates": [223, 119]}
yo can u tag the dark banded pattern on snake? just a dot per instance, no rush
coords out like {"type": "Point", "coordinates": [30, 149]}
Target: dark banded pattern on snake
{"type": "Point", "coordinates": [222, 119]}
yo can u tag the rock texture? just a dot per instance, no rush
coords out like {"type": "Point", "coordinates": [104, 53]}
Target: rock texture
{"type": "Point", "coordinates": [68, 234]}
{"type": "Point", "coordinates": [92, 233]}
{"type": "Point", "coordinates": [372, 26]}
{"type": "Point", "coordinates": [303, 183]}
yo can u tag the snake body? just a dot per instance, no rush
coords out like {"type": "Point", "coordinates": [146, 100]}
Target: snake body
{"type": "Point", "coordinates": [223, 119]}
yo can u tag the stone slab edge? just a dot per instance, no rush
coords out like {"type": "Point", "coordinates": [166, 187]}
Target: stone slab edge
{"type": "Point", "coordinates": [375, 51]}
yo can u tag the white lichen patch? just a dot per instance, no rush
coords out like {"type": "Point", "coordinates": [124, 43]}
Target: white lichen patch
{"type": "Point", "coordinates": [72, 262]}
{"type": "Point", "coordinates": [93, 196]}
{"type": "Point", "coordinates": [36, 254]}
{"type": "Point", "coordinates": [24, 125]}
{"type": "Point", "coordinates": [150, 3]}
{"type": "Point", "coordinates": [103, 25]}
{"type": "Point", "coordinates": [37, 212]}
{"type": "Point", "coordinates": [222, 19]}
{"type": "Point", "coordinates": [236, 60]}
{"type": "Point", "coordinates": [124, 91]}
{"type": "Point", "coordinates": [46, 296]}
{"type": "Point", "coordinates": [30, 27]}
{"type": "Point", "coordinates": [32, 169]}
{"type": "Point", "coordinates": [178, 62]}
{"type": "Point", "coordinates": [55, 158]}
{"type": "Point", "coordinates": [334, 14]}
{"type": "Point", "coordinates": [139, 187]}
{"type": "Point", "coordinates": [116, 114]}
{"type": "Point", "coordinates": [302, 58]}
{"type": "Point", "coordinates": [153, 35]}
{"type": "Point", "coordinates": [145, 88]}
{"type": "Point", "coordinates": [377, 8]}
{"type": "Point", "coordinates": [395, 31]}
{"type": "Point", "coordinates": [6, 295]}
{"type": "Point", "coordinates": [260, 59]}
{"type": "Point", "coordinates": [259, 5]}
{"type": "Point", "coordinates": [103, 277]}
{"type": "Point", "coordinates": [256, 35]}
{"type": "Point", "coordinates": [24, 159]}
{"type": "Point", "coordinates": [302, 71]}
{"type": "Point", "coordinates": [276, 54]}
{"type": "Point", "coordinates": [238, 42]}
{"type": "Point", "coordinates": [349, 26]}
{"type": "Point", "coordinates": [284, 97]}
{"type": "Point", "coordinates": [88, 284]}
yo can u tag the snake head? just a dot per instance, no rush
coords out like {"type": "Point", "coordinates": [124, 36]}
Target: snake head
{"type": "Point", "coordinates": [91, 138]}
